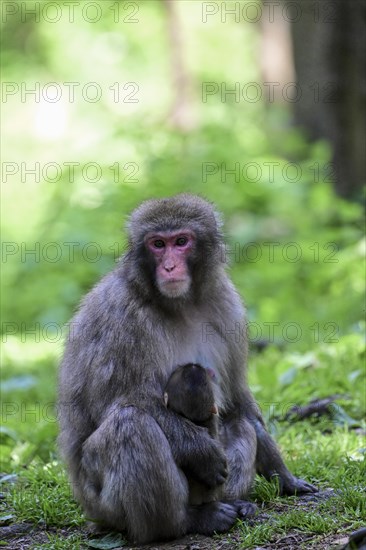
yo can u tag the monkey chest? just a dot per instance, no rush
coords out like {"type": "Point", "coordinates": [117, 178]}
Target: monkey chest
{"type": "Point", "coordinates": [203, 344]}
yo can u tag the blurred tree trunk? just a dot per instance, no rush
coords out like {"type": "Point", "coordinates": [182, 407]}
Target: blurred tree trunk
{"type": "Point", "coordinates": [330, 59]}
{"type": "Point", "coordinates": [181, 115]}
{"type": "Point", "coordinates": [276, 56]}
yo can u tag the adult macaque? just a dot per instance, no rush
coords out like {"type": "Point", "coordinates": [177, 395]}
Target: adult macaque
{"type": "Point", "coordinates": [168, 302]}
{"type": "Point", "coordinates": [190, 392]}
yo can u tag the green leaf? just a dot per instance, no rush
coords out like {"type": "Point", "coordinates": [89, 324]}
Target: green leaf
{"type": "Point", "coordinates": [341, 418]}
{"type": "Point", "coordinates": [114, 540]}
{"type": "Point", "coordinates": [289, 376]}
{"type": "Point", "coordinates": [305, 360]}
{"type": "Point", "coordinates": [5, 520]}
{"type": "Point", "coordinates": [19, 383]}
{"type": "Point", "coordinates": [6, 433]}
{"type": "Point", "coordinates": [9, 478]}
{"type": "Point", "coordinates": [354, 375]}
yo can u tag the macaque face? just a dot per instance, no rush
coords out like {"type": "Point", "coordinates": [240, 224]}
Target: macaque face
{"type": "Point", "coordinates": [171, 250]}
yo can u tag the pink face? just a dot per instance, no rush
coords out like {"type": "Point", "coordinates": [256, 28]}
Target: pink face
{"type": "Point", "coordinates": [170, 250]}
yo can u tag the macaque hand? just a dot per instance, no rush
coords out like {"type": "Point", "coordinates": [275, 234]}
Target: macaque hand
{"type": "Point", "coordinates": [211, 468]}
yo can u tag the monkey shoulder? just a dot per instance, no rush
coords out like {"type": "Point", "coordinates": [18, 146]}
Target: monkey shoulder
{"type": "Point", "coordinates": [106, 305]}
{"type": "Point", "coordinates": [110, 327]}
{"type": "Point", "coordinates": [230, 299]}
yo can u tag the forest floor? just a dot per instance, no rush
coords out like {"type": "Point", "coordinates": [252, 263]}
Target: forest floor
{"type": "Point", "coordinates": [26, 536]}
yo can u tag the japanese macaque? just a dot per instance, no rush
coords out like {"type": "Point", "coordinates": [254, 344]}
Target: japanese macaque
{"type": "Point", "coordinates": [168, 302]}
{"type": "Point", "coordinates": [190, 392]}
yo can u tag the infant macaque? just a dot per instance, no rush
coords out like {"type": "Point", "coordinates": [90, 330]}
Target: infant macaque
{"type": "Point", "coordinates": [189, 392]}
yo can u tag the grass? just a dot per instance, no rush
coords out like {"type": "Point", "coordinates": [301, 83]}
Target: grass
{"type": "Point", "coordinates": [333, 461]}
{"type": "Point", "coordinates": [43, 496]}
{"type": "Point", "coordinates": [343, 512]}
{"type": "Point", "coordinates": [55, 542]}
{"type": "Point", "coordinates": [328, 451]}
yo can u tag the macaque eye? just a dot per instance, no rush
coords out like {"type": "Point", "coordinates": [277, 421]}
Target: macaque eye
{"type": "Point", "coordinates": [181, 241]}
{"type": "Point", "coordinates": [159, 243]}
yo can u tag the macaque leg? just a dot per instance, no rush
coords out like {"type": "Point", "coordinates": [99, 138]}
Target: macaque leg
{"type": "Point", "coordinates": [270, 464]}
{"type": "Point", "coordinates": [131, 480]}
{"type": "Point", "coordinates": [240, 445]}
{"type": "Point", "coordinates": [239, 439]}
{"type": "Point", "coordinates": [132, 483]}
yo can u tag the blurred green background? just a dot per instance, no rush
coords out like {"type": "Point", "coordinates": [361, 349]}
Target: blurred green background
{"type": "Point", "coordinates": [105, 104]}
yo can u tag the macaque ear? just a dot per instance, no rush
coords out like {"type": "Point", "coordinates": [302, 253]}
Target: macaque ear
{"type": "Point", "coordinates": [166, 398]}
{"type": "Point", "coordinates": [211, 373]}
{"type": "Point", "coordinates": [214, 409]}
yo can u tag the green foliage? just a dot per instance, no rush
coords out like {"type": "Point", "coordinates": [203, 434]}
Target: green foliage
{"type": "Point", "coordinates": [280, 191]}
{"type": "Point", "coordinates": [296, 378]}
{"type": "Point", "coordinates": [296, 250]}
{"type": "Point", "coordinates": [108, 542]}
{"type": "Point", "coordinates": [28, 403]}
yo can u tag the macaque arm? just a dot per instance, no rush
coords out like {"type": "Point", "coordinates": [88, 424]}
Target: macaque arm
{"type": "Point", "coordinates": [193, 449]}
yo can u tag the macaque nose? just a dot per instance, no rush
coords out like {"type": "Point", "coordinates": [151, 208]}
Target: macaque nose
{"type": "Point", "coordinates": [169, 266]}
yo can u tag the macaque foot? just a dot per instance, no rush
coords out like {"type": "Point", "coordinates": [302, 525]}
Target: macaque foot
{"type": "Point", "coordinates": [245, 509]}
{"type": "Point", "coordinates": [296, 486]}
{"type": "Point", "coordinates": [214, 517]}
